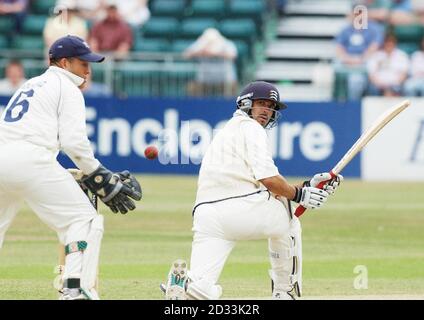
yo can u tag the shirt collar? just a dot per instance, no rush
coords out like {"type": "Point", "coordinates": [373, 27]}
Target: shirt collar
{"type": "Point", "coordinates": [239, 112]}
{"type": "Point", "coordinates": [77, 80]}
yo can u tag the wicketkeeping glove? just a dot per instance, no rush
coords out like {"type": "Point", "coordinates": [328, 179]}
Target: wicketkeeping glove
{"type": "Point", "coordinates": [114, 189]}
{"type": "Point", "coordinates": [310, 197]}
{"type": "Point", "coordinates": [330, 186]}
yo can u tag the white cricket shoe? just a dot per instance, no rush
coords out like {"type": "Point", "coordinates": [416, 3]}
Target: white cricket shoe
{"type": "Point", "coordinates": [72, 294]}
{"type": "Point", "coordinates": [175, 288]}
{"type": "Point", "coordinates": [282, 295]}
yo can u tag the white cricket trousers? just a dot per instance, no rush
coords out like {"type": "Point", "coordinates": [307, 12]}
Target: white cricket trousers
{"type": "Point", "coordinates": [218, 226]}
{"type": "Point", "coordinates": [31, 174]}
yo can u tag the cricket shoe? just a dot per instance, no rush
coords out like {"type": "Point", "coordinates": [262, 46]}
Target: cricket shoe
{"type": "Point", "coordinates": [72, 294]}
{"type": "Point", "coordinates": [175, 288]}
{"type": "Point", "coordinates": [282, 295]}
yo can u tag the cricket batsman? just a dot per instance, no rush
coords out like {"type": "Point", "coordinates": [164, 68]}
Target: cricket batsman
{"type": "Point", "coordinates": [46, 115]}
{"type": "Point", "coordinates": [242, 196]}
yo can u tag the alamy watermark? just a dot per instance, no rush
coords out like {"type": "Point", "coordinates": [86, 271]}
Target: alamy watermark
{"type": "Point", "coordinates": [360, 282]}
{"type": "Point", "coordinates": [360, 17]}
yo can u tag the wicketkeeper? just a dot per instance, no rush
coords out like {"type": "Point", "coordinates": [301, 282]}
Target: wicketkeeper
{"type": "Point", "coordinates": [46, 115]}
{"type": "Point", "coordinates": [242, 196]}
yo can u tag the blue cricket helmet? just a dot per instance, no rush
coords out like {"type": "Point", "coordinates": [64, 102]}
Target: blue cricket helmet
{"type": "Point", "coordinates": [261, 90]}
{"type": "Point", "coordinates": [264, 91]}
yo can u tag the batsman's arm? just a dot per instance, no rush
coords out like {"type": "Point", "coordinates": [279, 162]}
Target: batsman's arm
{"type": "Point", "coordinates": [279, 186]}
{"type": "Point", "coordinates": [308, 196]}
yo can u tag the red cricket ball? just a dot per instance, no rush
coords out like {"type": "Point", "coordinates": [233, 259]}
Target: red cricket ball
{"type": "Point", "coordinates": [151, 152]}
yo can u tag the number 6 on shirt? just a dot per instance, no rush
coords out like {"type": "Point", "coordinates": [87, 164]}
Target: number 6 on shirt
{"type": "Point", "coordinates": [18, 103]}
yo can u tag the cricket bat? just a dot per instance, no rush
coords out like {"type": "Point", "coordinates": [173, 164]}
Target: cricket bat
{"type": "Point", "coordinates": [368, 134]}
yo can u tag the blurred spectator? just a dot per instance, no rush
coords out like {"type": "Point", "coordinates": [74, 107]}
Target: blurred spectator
{"type": "Point", "coordinates": [135, 12]}
{"type": "Point", "coordinates": [17, 9]}
{"type": "Point", "coordinates": [216, 64]}
{"type": "Point", "coordinates": [112, 34]}
{"type": "Point", "coordinates": [66, 22]}
{"type": "Point", "coordinates": [91, 10]}
{"type": "Point", "coordinates": [388, 69]}
{"type": "Point", "coordinates": [14, 78]}
{"type": "Point", "coordinates": [401, 12]}
{"type": "Point", "coordinates": [418, 8]}
{"type": "Point", "coordinates": [354, 45]}
{"type": "Point", "coordinates": [393, 12]}
{"type": "Point", "coordinates": [414, 86]}
{"type": "Point", "coordinates": [95, 89]}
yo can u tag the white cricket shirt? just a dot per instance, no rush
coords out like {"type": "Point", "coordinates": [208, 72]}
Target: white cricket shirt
{"type": "Point", "coordinates": [238, 157]}
{"type": "Point", "coordinates": [49, 111]}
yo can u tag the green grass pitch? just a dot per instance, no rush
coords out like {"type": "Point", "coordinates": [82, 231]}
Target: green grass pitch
{"type": "Point", "coordinates": [376, 225]}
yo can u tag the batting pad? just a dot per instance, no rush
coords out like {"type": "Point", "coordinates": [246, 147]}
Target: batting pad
{"type": "Point", "coordinates": [286, 260]}
{"type": "Point", "coordinates": [90, 258]}
{"type": "Point", "coordinates": [296, 233]}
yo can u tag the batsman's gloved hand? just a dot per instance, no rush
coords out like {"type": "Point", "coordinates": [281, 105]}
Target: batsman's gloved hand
{"type": "Point", "coordinates": [114, 189]}
{"type": "Point", "coordinates": [331, 184]}
{"type": "Point", "coordinates": [310, 197]}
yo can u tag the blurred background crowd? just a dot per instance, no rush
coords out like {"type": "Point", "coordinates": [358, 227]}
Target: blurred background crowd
{"type": "Point", "coordinates": [318, 50]}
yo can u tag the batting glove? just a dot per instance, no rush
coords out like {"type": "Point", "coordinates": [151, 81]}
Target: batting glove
{"type": "Point", "coordinates": [331, 184]}
{"type": "Point", "coordinates": [310, 197]}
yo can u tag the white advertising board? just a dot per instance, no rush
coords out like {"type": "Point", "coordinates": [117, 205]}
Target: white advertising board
{"type": "Point", "coordinates": [396, 153]}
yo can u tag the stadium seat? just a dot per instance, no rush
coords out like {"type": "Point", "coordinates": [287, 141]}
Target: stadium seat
{"type": "Point", "coordinates": [180, 45]}
{"type": "Point", "coordinates": [246, 8]}
{"type": "Point", "coordinates": [340, 87]}
{"type": "Point", "coordinates": [160, 27]}
{"type": "Point", "coordinates": [412, 33]}
{"type": "Point", "coordinates": [152, 45]}
{"type": "Point", "coordinates": [253, 9]}
{"type": "Point", "coordinates": [243, 55]}
{"type": "Point", "coordinates": [6, 25]}
{"type": "Point", "coordinates": [30, 43]}
{"type": "Point", "coordinates": [208, 8]}
{"type": "Point", "coordinates": [193, 27]}
{"type": "Point", "coordinates": [242, 49]}
{"type": "Point", "coordinates": [239, 29]}
{"type": "Point", "coordinates": [409, 47]}
{"type": "Point", "coordinates": [98, 72]}
{"type": "Point", "coordinates": [33, 67]}
{"type": "Point", "coordinates": [43, 7]}
{"type": "Point", "coordinates": [4, 43]}
{"type": "Point", "coordinates": [34, 24]}
{"type": "Point", "coordinates": [2, 68]}
{"type": "Point", "coordinates": [168, 8]}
